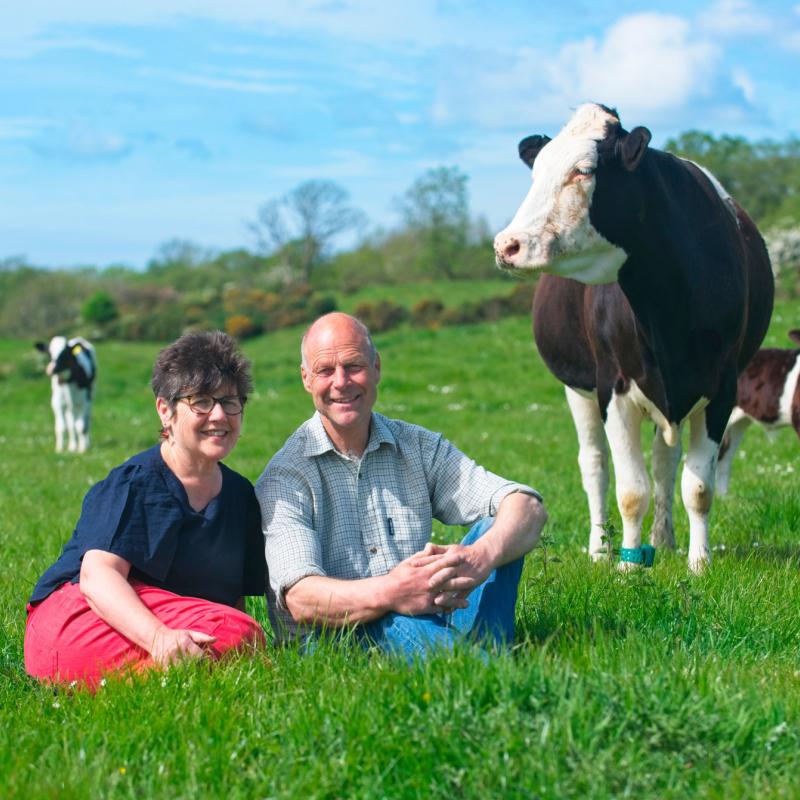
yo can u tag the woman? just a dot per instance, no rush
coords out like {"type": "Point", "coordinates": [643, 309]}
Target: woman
{"type": "Point", "coordinates": [167, 545]}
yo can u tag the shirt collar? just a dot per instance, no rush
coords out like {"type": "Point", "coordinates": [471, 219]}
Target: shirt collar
{"type": "Point", "coordinates": [318, 441]}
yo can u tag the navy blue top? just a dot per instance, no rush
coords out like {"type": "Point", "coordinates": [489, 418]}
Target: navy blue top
{"type": "Point", "coordinates": [141, 513]}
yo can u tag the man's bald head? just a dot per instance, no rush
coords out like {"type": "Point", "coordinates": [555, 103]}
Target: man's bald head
{"type": "Point", "coordinates": [337, 322]}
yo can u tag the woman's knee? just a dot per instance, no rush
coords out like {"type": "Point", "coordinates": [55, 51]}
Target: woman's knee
{"type": "Point", "coordinates": [237, 630]}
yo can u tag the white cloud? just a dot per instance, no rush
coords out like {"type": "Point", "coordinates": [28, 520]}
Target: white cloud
{"type": "Point", "coordinates": [646, 62]}
{"type": "Point", "coordinates": [735, 18]}
{"type": "Point", "coordinates": [743, 82]}
{"type": "Point", "coordinates": [21, 127]}
{"type": "Point", "coordinates": [791, 41]}
{"type": "Point", "coordinates": [340, 165]}
{"type": "Point", "coordinates": [86, 43]}
{"type": "Point", "coordinates": [220, 83]}
{"type": "Point", "coordinates": [413, 21]}
{"type": "Point", "coordinates": [81, 143]}
{"type": "Point", "coordinates": [650, 66]}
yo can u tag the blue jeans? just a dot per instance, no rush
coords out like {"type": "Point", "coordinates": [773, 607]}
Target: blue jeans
{"type": "Point", "coordinates": [487, 620]}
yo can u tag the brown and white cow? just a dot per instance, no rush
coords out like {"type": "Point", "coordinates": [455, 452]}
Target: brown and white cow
{"type": "Point", "coordinates": [72, 369]}
{"type": "Point", "coordinates": [658, 292]}
{"type": "Point", "coordinates": [767, 392]}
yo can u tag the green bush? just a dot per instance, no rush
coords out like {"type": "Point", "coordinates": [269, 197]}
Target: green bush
{"type": "Point", "coordinates": [427, 313]}
{"type": "Point", "coordinates": [381, 315]}
{"type": "Point", "coordinates": [163, 324]}
{"type": "Point", "coordinates": [520, 300]}
{"type": "Point", "coordinates": [100, 308]}
{"type": "Point", "coordinates": [240, 326]}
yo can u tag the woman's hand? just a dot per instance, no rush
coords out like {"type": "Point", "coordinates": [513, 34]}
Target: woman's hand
{"type": "Point", "coordinates": [171, 645]}
{"type": "Point", "coordinates": [104, 583]}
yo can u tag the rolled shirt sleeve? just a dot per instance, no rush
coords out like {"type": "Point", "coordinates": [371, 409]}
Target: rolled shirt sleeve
{"type": "Point", "coordinates": [291, 544]}
{"type": "Point", "coordinates": [461, 491]}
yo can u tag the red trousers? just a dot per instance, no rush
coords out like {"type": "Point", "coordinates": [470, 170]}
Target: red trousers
{"type": "Point", "coordinates": [66, 641]}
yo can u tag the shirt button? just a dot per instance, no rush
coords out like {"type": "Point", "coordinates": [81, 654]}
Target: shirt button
{"type": "Point", "coordinates": [373, 550]}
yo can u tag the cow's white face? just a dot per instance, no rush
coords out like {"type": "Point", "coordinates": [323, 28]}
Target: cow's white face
{"type": "Point", "coordinates": [55, 348]}
{"type": "Point", "coordinates": [552, 231]}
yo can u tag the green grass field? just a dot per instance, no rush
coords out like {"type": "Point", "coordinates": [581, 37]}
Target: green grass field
{"type": "Point", "coordinates": [648, 684]}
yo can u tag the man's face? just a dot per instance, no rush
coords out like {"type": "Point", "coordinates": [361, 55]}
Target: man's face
{"type": "Point", "coordinates": [341, 374]}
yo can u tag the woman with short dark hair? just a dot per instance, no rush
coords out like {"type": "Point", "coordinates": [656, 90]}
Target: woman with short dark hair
{"type": "Point", "coordinates": [168, 544]}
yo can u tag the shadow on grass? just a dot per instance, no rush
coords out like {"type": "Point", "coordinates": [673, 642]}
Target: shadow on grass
{"type": "Point", "coordinates": [768, 553]}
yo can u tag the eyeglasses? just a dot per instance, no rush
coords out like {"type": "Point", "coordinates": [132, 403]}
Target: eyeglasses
{"type": "Point", "coordinates": [204, 403]}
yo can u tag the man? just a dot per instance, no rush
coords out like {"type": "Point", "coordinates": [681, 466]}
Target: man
{"type": "Point", "coordinates": [347, 505]}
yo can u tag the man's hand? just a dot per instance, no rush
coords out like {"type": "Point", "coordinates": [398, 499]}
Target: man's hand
{"type": "Point", "coordinates": [171, 645]}
{"type": "Point", "coordinates": [460, 570]}
{"type": "Point", "coordinates": [412, 590]}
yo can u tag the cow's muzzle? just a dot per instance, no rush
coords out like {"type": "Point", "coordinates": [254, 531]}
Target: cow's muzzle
{"type": "Point", "coordinates": [513, 251]}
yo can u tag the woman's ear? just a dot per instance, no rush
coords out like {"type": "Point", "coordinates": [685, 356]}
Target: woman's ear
{"type": "Point", "coordinates": [164, 411]}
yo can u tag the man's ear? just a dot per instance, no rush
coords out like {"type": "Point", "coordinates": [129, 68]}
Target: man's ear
{"type": "Point", "coordinates": [378, 367]}
{"type": "Point", "coordinates": [306, 376]}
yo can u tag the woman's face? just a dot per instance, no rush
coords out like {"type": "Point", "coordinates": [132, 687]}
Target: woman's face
{"type": "Point", "coordinates": [206, 436]}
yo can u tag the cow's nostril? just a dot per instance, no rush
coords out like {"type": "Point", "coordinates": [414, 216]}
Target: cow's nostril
{"type": "Point", "coordinates": [511, 249]}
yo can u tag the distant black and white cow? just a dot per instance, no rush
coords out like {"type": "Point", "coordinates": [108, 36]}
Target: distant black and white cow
{"type": "Point", "coordinates": [659, 291]}
{"type": "Point", "coordinates": [768, 392]}
{"type": "Point", "coordinates": [72, 369]}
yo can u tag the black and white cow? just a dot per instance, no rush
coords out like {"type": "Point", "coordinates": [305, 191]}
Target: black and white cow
{"type": "Point", "coordinates": [768, 392]}
{"type": "Point", "coordinates": [659, 291]}
{"type": "Point", "coordinates": [72, 369]}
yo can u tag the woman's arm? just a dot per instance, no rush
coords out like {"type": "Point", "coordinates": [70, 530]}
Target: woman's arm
{"type": "Point", "coordinates": [104, 584]}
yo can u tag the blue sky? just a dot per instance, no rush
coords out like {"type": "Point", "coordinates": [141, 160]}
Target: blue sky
{"type": "Point", "coordinates": [122, 128]}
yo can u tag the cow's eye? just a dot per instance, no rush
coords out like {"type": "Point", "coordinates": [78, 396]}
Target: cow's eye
{"type": "Point", "coordinates": [581, 173]}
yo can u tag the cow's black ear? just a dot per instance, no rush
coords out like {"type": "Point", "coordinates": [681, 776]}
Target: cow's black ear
{"type": "Point", "coordinates": [795, 336]}
{"type": "Point", "coordinates": [632, 147]}
{"type": "Point", "coordinates": [40, 346]}
{"type": "Point", "coordinates": [530, 146]}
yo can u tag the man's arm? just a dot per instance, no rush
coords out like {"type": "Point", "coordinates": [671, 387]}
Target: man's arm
{"type": "Point", "coordinates": [406, 589]}
{"type": "Point", "coordinates": [515, 531]}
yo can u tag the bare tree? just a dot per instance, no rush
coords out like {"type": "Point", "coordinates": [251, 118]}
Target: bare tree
{"type": "Point", "coordinates": [302, 225]}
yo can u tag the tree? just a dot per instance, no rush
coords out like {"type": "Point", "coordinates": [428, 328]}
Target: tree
{"type": "Point", "coordinates": [302, 225]}
{"type": "Point", "coordinates": [436, 209]}
{"type": "Point", "coordinates": [762, 176]}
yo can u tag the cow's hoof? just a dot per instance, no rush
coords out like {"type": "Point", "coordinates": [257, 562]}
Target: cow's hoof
{"type": "Point", "coordinates": [699, 564]}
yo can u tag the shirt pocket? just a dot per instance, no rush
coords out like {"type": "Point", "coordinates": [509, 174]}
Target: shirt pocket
{"type": "Point", "coordinates": [405, 531]}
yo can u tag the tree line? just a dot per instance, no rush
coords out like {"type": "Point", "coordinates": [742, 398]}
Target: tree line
{"type": "Point", "coordinates": [297, 262]}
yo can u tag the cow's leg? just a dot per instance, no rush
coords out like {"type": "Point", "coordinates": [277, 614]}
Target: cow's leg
{"type": "Point", "coordinates": [81, 433]}
{"type": "Point", "coordinates": [69, 420]}
{"type": "Point", "coordinates": [623, 428]}
{"type": "Point", "coordinates": [593, 463]}
{"type": "Point", "coordinates": [738, 424]}
{"type": "Point", "coordinates": [697, 489]}
{"type": "Point", "coordinates": [82, 410]}
{"type": "Point", "coordinates": [665, 469]}
{"type": "Point", "coordinates": [60, 425]}
{"type": "Point", "coordinates": [57, 404]}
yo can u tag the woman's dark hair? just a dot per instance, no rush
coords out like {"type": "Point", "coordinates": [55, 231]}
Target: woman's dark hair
{"type": "Point", "coordinates": [199, 363]}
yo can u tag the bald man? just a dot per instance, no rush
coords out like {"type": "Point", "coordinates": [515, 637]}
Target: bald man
{"type": "Point", "coordinates": [347, 506]}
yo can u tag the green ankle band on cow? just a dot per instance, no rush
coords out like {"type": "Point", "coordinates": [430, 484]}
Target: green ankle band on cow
{"type": "Point", "coordinates": [644, 555]}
